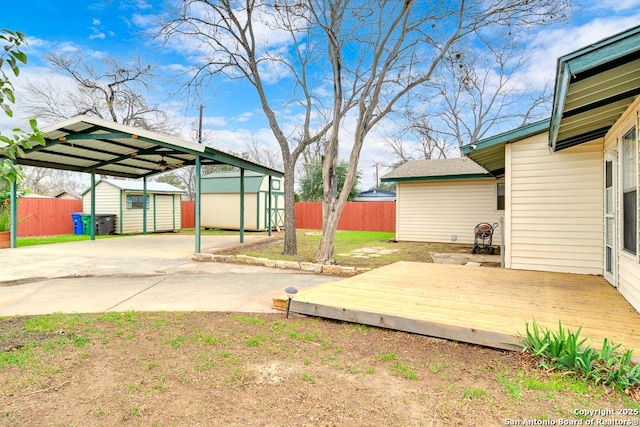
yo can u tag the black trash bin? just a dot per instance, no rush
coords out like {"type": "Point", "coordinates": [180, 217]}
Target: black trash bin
{"type": "Point", "coordinates": [105, 224]}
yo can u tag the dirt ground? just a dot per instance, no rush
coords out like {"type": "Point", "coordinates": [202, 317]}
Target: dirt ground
{"type": "Point", "coordinates": [211, 369]}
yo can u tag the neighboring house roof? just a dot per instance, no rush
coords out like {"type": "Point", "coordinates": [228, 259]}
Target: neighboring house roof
{"type": "Point", "coordinates": [489, 152]}
{"type": "Point", "coordinates": [428, 170]}
{"type": "Point", "coordinates": [375, 196]}
{"type": "Point", "coordinates": [229, 182]}
{"type": "Point", "coordinates": [36, 196]}
{"type": "Point", "coordinates": [594, 86]}
{"type": "Point", "coordinates": [138, 186]}
{"type": "Point", "coordinates": [66, 194]}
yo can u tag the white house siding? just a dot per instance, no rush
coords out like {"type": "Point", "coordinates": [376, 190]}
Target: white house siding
{"type": "Point", "coordinates": [555, 207]}
{"type": "Point", "coordinates": [629, 280]}
{"type": "Point", "coordinates": [107, 202]}
{"type": "Point", "coordinates": [433, 211]}
{"type": "Point", "coordinates": [628, 274]}
{"type": "Point", "coordinates": [164, 218]}
{"type": "Point", "coordinates": [223, 211]}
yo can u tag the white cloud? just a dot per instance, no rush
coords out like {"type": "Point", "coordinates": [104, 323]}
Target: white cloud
{"type": "Point", "coordinates": [614, 5]}
{"type": "Point", "coordinates": [95, 22]}
{"type": "Point", "coordinates": [97, 35]}
{"type": "Point", "coordinates": [550, 44]}
{"type": "Point", "coordinates": [244, 117]}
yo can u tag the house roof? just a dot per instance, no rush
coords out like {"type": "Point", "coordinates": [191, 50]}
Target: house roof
{"type": "Point", "coordinates": [229, 182]}
{"type": "Point", "coordinates": [594, 86]}
{"type": "Point", "coordinates": [375, 195]}
{"type": "Point", "coordinates": [440, 169]}
{"type": "Point", "coordinates": [137, 186]}
{"type": "Point", "coordinates": [90, 144]}
{"type": "Point", "coordinates": [489, 152]}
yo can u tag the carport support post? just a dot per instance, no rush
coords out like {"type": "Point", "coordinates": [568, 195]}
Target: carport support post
{"type": "Point", "coordinates": [269, 208]}
{"type": "Point", "coordinates": [13, 241]}
{"type": "Point", "coordinates": [241, 205]}
{"type": "Point", "coordinates": [93, 205]}
{"type": "Point", "coordinates": [197, 205]}
{"type": "Point", "coordinates": [144, 206]}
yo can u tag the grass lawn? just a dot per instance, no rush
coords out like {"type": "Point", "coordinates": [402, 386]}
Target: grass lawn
{"type": "Point", "coordinates": [349, 241]}
{"type": "Point", "coordinates": [61, 238]}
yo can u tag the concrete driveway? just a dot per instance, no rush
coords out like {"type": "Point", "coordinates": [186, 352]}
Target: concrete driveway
{"type": "Point", "coordinates": [141, 273]}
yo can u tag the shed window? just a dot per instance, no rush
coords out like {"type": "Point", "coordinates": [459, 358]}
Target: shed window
{"type": "Point", "coordinates": [500, 196]}
{"type": "Point", "coordinates": [630, 192]}
{"type": "Point", "coordinates": [135, 201]}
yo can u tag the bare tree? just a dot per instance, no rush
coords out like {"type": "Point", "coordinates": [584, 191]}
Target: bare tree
{"type": "Point", "coordinates": [479, 93]}
{"type": "Point", "coordinates": [112, 91]}
{"type": "Point", "coordinates": [234, 38]}
{"type": "Point", "coordinates": [399, 47]}
{"type": "Point", "coordinates": [374, 53]}
{"type": "Point", "coordinates": [50, 182]}
{"type": "Point", "coordinates": [257, 153]}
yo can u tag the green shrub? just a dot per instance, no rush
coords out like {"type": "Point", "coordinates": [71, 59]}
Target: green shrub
{"type": "Point", "coordinates": [564, 350]}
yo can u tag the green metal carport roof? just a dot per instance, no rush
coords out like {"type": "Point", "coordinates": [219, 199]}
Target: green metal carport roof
{"type": "Point", "coordinates": [90, 144]}
{"type": "Point", "coordinates": [96, 146]}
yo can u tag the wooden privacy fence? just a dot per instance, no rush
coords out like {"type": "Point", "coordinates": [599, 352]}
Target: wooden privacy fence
{"type": "Point", "coordinates": [46, 217]}
{"type": "Point", "coordinates": [188, 214]}
{"type": "Point", "coordinates": [357, 216]}
{"type": "Point", "coordinates": [49, 217]}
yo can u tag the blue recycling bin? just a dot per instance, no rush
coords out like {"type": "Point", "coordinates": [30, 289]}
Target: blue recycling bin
{"type": "Point", "coordinates": [78, 226]}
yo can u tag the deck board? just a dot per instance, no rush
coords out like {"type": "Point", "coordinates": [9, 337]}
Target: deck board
{"type": "Point", "coordinates": [487, 306]}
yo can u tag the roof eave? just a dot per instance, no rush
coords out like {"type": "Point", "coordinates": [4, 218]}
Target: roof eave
{"type": "Point", "coordinates": [436, 178]}
{"type": "Point", "coordinates": [513, 135]}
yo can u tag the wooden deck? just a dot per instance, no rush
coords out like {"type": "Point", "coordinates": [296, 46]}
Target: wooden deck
{"type": "Point", "coordinates": [487, 306]}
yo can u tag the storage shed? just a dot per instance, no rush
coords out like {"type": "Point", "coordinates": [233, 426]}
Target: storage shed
{"type": "Point", "coordinates": [443, 200]}
{"type": "Point", "coordinates": [123, 198]}
{"type": "Point", "coordinates": [221, 201]}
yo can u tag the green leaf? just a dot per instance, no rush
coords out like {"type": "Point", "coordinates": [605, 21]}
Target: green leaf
{"type": "Point", "coordinates": [7, 110]}
{"type": "Point", "coordinates": [20, 56]}
{"type": "Point", "coordinates": [9, 93]}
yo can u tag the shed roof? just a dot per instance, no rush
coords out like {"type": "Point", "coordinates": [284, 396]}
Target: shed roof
{"type": "Point", "coordinates": [439, 169]}
{"type": "Point", "coordinates": [91, 144]}
{"type": "Point", "coordinates": [229, 182]}
{"type": "Point", "coordinates": [594, 86]}
{"type": "Point", "coordinates": [138, 186]}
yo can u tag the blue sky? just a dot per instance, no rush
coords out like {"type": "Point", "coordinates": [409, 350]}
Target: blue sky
{"type": "Point", "coordinates": [232, 114]}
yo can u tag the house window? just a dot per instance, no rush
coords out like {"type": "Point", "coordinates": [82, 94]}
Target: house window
{"type": "Point", "coordinates": [135, 201]}
{"type": "Point", "coordinates": [500, 197]}
{"type": "Point", "coordinates": [630, 192]}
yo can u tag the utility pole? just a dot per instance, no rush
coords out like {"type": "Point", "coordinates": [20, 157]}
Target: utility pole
{"type": "Point", "coordinates": [200, 126]}
{"type": "Point", "coordinates": [376, 164]}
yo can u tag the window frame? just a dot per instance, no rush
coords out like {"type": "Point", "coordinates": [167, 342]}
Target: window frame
{"type": "Point", "coordinates": [499, 197]}
{"type": "Point", "coordinates": [629, 192]}
{"type": "Point", "coordinates": [137, 202]}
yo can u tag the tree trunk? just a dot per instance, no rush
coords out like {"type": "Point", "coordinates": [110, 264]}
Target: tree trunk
{"type": "Point", "coordinates": [290, 239]}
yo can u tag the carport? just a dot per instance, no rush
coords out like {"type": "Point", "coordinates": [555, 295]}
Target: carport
{"type": "Point", "coordinates": [97, 146]}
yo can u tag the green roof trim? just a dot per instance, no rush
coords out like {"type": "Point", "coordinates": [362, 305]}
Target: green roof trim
{"type": "Point", "coordinates": [507, 137]}
{"type": "Point", "coordinates": [229, 183]}
{"type": "Point", "coordinates": [128, 185]}
{"type": "Point", "coordinates": [597, 59]}
{"type": "Point", "coordinates": [437, 178]}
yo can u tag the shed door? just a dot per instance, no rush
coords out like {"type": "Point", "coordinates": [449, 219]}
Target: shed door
{"type": "Point", "coordinates": [163, 212]}
{"type": "Point", "coordinates": [610, 230]}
